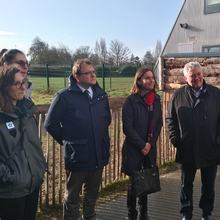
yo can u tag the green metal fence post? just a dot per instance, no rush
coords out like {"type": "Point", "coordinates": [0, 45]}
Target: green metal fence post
{"type": "Point", "coordinates": [110, 76]}
{"type": "Point", "coordinates": [103, 77]}
{"type": "Point", "coordinates": [65, 76]}
{"type": "Point", "coordinates": [47, 74]}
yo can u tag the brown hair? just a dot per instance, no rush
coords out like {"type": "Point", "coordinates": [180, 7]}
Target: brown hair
{"type": "Point", "coordinates": [136, 87]}
{"type": "Point", "coordinates": [7, 75]}
{"type": "Point", "coordinates": [78, 64]}
{"type": "Point", "coordinates": [8, 55]}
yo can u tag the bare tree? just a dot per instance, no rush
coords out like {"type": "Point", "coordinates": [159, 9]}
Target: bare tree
{"type": "Point", "coordinates": [119, 52]}
{"type": "Point", "coordinates": [85, 52]}
{"type": "Point", "coordinates": [38, 51]}
{"type": "Point", "coordinates": [148, 58]}
{"type": "Point", "coordinates": [135, 60]}
{"type": "Point", "coordinates": [64, 54]}
{"type": "Point", "coordinates": [151, 57]}
{"type": "Point", "coordinates": [101, 50]}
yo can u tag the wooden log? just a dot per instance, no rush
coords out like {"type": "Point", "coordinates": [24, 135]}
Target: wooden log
{"type": "Point", "coordinates": [117, 102]}
{"type": "Point", "coordinates": [174, 72]}
{"type": "Point", "coordinates": [211, 70]}
{"type": "Point", "coordinates": [161, 73]}
{"type": "Point", "coordinates": [60, 173]}
{"type": "Point", "coordinates": [118, 144]}
{"type": "Point", "coordinates": [212, 60]}
{"type": "Point", "coordinates": [212, 80]}
{"type": "Point", "coordinates": [174, 79]}
{"type": "Point", "coordinates": [173, 86]}
{"type": "Point", "coordinates": [53, 170]}
{"type": "Point", "coordinates": [180, 80]}
{"type": "Point", "coordinates": [114, 151]}
{"type": "Point", "coordinates": [171, 62]}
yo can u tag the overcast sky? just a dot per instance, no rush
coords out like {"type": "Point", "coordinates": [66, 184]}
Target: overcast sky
{"type": "Point", "coordinates": [136, 23]}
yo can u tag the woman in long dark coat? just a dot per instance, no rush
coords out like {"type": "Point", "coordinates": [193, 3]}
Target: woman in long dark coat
{"type": "Point", "coordinates": [142, 122]}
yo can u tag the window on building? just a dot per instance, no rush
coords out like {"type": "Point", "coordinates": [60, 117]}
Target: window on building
{"type": "Point", "coordinates": [192, 39]}
{"type": "Point", "coordinates": [213, 49]}
{"type": "Point", "coordinates": [212, 6]}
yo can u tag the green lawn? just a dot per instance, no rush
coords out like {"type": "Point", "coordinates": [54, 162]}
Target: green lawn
{"type": "Point", "coordinates": [120, 87]}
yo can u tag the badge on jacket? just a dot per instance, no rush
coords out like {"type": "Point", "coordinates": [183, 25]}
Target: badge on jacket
{"type": "Point", "coordinates": [11, 128]}
{"type": "Point", "coordinates": [10, 125]}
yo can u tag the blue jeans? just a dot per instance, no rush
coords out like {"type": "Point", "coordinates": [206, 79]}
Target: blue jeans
{"type": "Point", "coordinates": [208, 175]}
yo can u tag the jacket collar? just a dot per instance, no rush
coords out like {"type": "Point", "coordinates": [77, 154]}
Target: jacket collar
{"type": "Point", "coordinates": [31, 109]}
{"type": "Point", "coordinates": [204, 89]}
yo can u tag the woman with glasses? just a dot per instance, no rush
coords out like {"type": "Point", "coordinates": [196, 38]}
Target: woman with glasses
{"type": "Point", "coordinates": [22, 163]}
{"type": "Point", "coordinates": [142, 122]}
{"type": "Point", "coordinates": [15, 56]}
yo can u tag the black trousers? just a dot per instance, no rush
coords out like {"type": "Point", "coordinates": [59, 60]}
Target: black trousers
{"type": "Point", "coordinates": [208, 175]}
{"type": "Point", "coordinates": [23, 208]}
{"type": "Point", "coordinates": [131, 202]}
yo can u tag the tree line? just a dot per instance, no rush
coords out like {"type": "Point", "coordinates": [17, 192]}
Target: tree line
{"type": "Point", "coordinates": [117, 54]}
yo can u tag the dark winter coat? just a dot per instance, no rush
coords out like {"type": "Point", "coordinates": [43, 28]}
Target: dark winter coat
{"type": "Point", "coordinates": [135, 120]}
{"type": "Point", "coordinates": [80, 126]}
{"type": "Point", "coordinates": [194, 125]}
{"type": "Point", "coordinates": [25, 171]}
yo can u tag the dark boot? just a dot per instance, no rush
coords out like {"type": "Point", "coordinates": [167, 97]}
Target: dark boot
{"type": "Point", "coordinates": [143, 208]}
{"type": "Point", "coordinates": [131, 202]}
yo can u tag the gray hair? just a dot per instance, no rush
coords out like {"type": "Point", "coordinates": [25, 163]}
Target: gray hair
{"type": "Point", "coordinates": [191, 66]}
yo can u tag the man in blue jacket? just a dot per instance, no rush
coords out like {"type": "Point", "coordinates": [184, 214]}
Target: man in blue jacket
{"type": "Point", "coordinates": [193, 122]}
{"type": "Point", "coordinates": [78, 119]}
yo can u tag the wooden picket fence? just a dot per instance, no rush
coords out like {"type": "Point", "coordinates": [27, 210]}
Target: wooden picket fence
{"type": "Point", "coordinates": [52, 190]}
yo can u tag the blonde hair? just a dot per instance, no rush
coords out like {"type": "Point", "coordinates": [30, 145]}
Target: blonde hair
{"type": "Point", "coordinates": [78, 64]}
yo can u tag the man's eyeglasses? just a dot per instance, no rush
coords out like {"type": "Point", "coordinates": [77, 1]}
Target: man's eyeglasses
{"type": "Point", "coordinates": [18, 85]}
{"type": "Point", "coordinates": [21, 63]}
{"type": "Point", "coordinates": [90, 72]}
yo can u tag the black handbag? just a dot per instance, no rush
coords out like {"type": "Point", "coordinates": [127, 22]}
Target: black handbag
{"type": "Point", "coordinates": [146, 180]}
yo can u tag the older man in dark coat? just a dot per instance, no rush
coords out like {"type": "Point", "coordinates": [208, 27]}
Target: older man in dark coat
{"type": "Point", "coordinates": [193, 121]}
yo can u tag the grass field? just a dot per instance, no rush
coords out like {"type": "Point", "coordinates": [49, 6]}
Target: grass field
{"type": "Point", "coordinates": [120, 87]}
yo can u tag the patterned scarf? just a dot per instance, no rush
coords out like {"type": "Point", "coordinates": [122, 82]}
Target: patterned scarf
{"type": "Point", "coordinates": [149, 100]}
{"type": "Point", "coordinates": [21, 108]}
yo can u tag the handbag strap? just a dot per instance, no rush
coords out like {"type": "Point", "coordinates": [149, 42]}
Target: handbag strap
{"type": "Point", "coordinates": [16, 147]}
{"type": "Point", "coordinates": [149, 160]}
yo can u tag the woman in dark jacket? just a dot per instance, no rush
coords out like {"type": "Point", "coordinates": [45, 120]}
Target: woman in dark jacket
{"type": "Point", "coordinates": [142, 122]}
{"type": "Point", "coordinates": [22, 163]}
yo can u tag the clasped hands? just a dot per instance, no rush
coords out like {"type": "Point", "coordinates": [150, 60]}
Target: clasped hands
{"type": "Point", "coordinates": [146, 149]}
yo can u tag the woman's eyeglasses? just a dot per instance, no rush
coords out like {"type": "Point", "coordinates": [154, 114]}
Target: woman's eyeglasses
{"type": "Point", "coordinates": [18, 85]}
{"type": "Point", "coordinates": [21, 63]}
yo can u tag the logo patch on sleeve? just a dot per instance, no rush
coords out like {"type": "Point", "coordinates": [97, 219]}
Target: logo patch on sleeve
{"type": "Point", "coordinates": [10, 125]}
